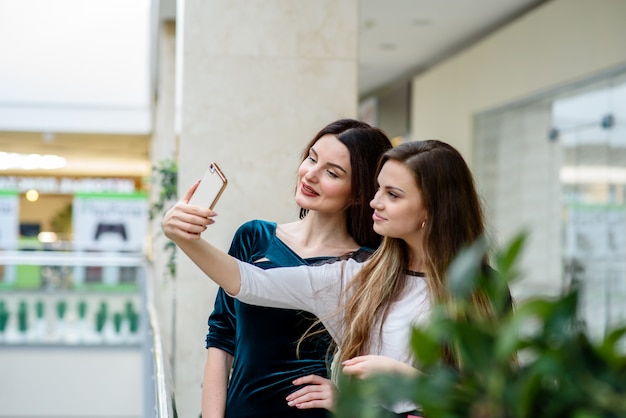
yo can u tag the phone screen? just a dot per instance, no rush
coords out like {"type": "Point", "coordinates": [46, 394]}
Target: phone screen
{"type": "Point", "coordinates": [210, 188]}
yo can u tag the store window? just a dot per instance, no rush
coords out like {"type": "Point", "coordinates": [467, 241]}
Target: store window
{"type": "Point", "coordinates": [556, 167]}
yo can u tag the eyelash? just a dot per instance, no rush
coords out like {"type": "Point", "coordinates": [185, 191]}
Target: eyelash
{"type": "Point", "coordinates": [391, 195]}
{"type": "Point", "coordinates": [333, 175]}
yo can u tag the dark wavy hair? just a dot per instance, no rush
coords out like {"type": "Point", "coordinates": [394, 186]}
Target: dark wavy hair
{"type": "Point", "coordinates": [366, 145]}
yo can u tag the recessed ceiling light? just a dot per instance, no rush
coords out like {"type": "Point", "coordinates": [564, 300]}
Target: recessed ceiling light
{"type": "Point", "coordinates": [32, 195]}
{"type": "Point", "coordinates": [48, 136]}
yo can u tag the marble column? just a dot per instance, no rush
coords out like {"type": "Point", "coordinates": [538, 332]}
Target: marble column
{"type": "Point", "coordinates": [259, 79]}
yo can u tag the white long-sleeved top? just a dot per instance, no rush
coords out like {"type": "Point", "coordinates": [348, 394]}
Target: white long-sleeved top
{"type": "Point", "coordinates": [318, 289]}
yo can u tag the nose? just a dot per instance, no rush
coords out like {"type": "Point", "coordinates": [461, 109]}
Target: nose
{"type": "Point", "coordinates": [311, 174]}
{"type": "Point", "coordinates": [375, 203]}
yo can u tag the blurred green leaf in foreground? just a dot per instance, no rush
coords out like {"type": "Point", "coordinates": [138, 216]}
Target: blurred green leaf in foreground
{"type": "Point", "coordinates": [533, 361]}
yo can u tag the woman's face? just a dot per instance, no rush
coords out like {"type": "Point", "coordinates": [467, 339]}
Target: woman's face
{"type": "Point", "coordinates": [398, 206]}
{"type": "Point", "coordinates": [324, 177]}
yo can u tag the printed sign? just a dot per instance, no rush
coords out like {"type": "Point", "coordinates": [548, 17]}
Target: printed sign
{"type": "Point", "coordinates": [596, 232]}
{"type": "Point", "coordinates": [110, 222]}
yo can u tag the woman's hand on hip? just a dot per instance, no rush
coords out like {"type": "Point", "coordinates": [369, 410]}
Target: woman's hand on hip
{"type": "Point", "coordinates": [319, 392]}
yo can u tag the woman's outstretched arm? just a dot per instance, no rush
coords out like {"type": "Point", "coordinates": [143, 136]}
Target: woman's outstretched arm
{"type": "Point", "coordinates": [183, 224]}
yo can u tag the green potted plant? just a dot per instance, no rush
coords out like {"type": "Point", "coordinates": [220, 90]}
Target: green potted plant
{"type": "Point", "coordinates": [535, 361]}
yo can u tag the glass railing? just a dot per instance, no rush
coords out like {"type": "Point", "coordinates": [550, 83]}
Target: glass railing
{"type": "Point", "coordinates": [76, 326]}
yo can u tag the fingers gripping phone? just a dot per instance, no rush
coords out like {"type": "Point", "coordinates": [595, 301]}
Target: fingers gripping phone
{"type": "Point", "coordinates": [210, 188]}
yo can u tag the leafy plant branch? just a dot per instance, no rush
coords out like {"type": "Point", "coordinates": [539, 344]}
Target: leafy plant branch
{"type": "Point", "coordinates": [165, 176]}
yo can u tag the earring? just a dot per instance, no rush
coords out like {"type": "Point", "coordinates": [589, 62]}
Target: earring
{"type": "Point", "coordinates": [424, 224]}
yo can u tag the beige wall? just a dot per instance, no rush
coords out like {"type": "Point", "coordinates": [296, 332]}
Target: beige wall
{"type": "Point", "coordinates": [259, 79]}
{"type": "Point", "coordinates": [558, 43]}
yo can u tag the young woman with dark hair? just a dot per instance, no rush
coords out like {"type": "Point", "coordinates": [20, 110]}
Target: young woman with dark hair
{"type": "Point", "coordinates": [253, 356]}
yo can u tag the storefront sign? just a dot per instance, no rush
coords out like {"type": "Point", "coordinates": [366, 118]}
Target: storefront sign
{"type": "Point", "coordinates": [67, 185]}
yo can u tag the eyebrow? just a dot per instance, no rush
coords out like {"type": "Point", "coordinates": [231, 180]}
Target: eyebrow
{"type": "Point", "coordinates": [394, 188]}
{"type": "Point", "coordinates": [337, 166]}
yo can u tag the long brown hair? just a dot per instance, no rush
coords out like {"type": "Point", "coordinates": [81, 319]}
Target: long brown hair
{"type": "Point", "coordinates": [366, 144]}
{"type": "Point", "coordinates": [455, 220]}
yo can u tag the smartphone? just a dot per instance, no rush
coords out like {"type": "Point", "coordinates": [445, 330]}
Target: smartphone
{"type": "Point", "coordinates": [210, 188]}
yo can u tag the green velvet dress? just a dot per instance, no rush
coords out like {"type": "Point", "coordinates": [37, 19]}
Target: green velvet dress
{"type": "Point", "coordinates": [263, 340]}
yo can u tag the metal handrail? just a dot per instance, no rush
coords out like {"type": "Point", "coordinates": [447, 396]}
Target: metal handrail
{"type": "Point", "coordinates": [163, 399]}
{"type": "Point", "coordinates": [162, 405]}
{"type": "Point", "coordinates": [71, 258]}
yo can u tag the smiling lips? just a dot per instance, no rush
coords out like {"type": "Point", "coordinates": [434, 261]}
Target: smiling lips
{"type": "Point", "coordinates": [308, 191]}
{"type": "Point", "coordinates": [377, 217]}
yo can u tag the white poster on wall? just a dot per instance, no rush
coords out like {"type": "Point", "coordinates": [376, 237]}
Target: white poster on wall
{"type": "Point", "coordinates": [109, 222]}
{"type": "Point", "coordinates": [596, 232]}
{"type": "Point", "coordinates": [9, 220]}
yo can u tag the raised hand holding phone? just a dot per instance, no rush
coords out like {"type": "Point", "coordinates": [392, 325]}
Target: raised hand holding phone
{"type": "Point", "coordinates": [210, 188]}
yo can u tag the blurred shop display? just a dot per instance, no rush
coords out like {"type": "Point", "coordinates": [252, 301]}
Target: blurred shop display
{"type": "Point", "coordinates": [68, 320]}
{"type": "Point", "coordinates": [41, 303]}
{"type": "Point", "coordinates": [38, 213]}
{"type": "Point", "coordinates": [71, 276]}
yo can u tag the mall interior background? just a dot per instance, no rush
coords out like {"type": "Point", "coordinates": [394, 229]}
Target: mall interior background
{"type": "Point", "coordinates": [537, 106]}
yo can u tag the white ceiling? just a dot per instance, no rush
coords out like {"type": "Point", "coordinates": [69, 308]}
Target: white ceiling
{"type": "Point", "coordinates": [399, 38]}
{"type": "Point", "coordinates": [75, 66]}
